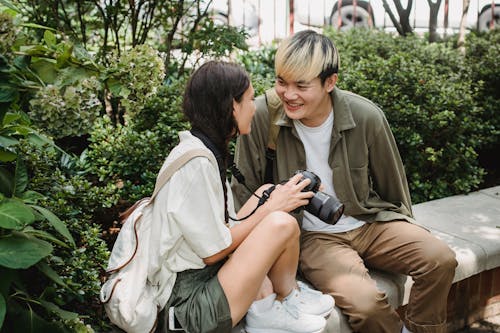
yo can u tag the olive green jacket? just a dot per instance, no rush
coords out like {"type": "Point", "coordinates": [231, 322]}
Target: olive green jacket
{"type": "Point", "coordinates": [368, 174]}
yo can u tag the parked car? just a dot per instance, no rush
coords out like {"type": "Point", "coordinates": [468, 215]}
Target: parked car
{"type": "Point", "coordinates": [372, 14]}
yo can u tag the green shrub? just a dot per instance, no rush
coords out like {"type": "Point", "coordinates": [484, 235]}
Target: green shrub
{"type": "Point", "coordinates": [135, 76]}
{"type": "Point", "coordinates": [33, 295]}
{"type": "Point", "coordinates": [482, 52]}
{"type": "Point", "coordinates": [76, 202]}
{"type": "Point", "coordinates": [260, 65]}
{"type": "Point", "coordinates": [8, 33]}
{"type": "Point", "coordinates": [67, 111]}
{"type": "Point", "coordinates": [425, 92]}
{"type": "Point", "coordinates": [129, 156]}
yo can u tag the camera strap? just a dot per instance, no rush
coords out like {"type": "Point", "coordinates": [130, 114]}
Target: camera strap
{"type": "Point", "coordinates": [233, 169]}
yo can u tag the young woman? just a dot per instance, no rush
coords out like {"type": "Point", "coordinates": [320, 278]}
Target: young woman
{"type": "Point", "coordinates": [214, 272]}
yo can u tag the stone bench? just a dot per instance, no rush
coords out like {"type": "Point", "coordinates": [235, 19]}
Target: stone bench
{"type": "Point", "coordinates": [470, 224]}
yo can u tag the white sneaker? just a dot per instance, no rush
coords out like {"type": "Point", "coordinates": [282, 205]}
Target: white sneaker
{"type": "Point", "coordinates": [310, 300]}
{"type": "Point", "coordinates": [283, 318]}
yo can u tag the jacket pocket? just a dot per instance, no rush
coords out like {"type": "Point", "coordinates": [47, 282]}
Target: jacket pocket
{"type": "Point", "coordinates": [360, 182]}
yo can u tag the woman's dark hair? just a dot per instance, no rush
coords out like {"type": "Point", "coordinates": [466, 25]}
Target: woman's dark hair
{"type": "Point", "coordinates": [208, 100]}
{"type": "Point", "coordinates": [208, 105]}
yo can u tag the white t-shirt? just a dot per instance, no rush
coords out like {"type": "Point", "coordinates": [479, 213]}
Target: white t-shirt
{"type": "Point", "coordinates": [316, 141]}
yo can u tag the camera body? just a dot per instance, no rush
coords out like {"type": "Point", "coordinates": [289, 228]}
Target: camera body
{"type": "Point", "coordinates": [322, 205]}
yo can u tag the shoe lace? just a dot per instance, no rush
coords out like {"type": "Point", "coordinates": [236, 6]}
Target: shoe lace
{"type": "Point", "coordinates": [308, 293]}
{"type": "Point", "coordinates": [291, 309]}
{"type": "Point", "coordinates": [290, 306]}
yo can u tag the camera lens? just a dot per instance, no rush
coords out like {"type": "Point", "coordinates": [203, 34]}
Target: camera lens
{"type": "Point", "coordinates": [325, 207]}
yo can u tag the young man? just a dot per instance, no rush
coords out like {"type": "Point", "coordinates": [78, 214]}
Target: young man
{"type": "Point", "coordinates": [346, 140]}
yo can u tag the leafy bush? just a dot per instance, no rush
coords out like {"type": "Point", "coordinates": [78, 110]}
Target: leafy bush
{"type": "Point", "coordinates": [116, 151]}
{"type": "Point", "coordinates": [27, 240]}
{"type": "Point", "coordinates": [260, 65]}
{"type": "Point", "coordinates": [8, 33]}
{"type": "Point", "coordinates": [135, 76]}
{"type": "Point", "coordinates": [67, 111]}
{"type": "Point", "coordinates": [424, 90]}
{"type": "Point", "coordinates": [482, 57]}
{"type": "Point", "coordinates": [76, 201]}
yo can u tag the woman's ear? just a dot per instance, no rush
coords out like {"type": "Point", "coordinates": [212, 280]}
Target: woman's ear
{"type": "Point", "coordinates": [236, 107]}
{"type": "Point", "coordinates": [330, 82]}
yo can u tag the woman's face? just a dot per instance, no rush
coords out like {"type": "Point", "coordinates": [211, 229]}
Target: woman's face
{"type": "Point", "coordinates": [244, 110]}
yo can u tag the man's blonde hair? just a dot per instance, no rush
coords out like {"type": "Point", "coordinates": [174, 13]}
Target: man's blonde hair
{"type": "Point", "coordinates": [305, 56]}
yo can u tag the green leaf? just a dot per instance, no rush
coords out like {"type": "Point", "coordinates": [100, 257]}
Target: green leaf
{"type": "Point", "coordinates": [56, 223]}
{"type": "Point", "coordinates": [6, 182]}
{"type": "Point", "coordinates": [114, 86]}
{"type": "Point", "coordinates": [20, 178]}
{"type": "Point", "coordinates": [63, 314]}
{"type": "Point", "coordinates": [49, 38]}
{"type": "Point", "coordinates": [31, 197]}
{"type": "Point", "coordinates": [65, 55]}
{"type": "Point", "coordinates": [51, 274]}
{"type": "Point", "coordinates": [11, 117]}
{"type": "Point", "coordinates": [7, 141]}
{"type": "Point", "coordinates": [8, 94]}
{"type": "Point", "coordinates": [40, 234]}
{"type": "Point", "coordinates": [24, 319]}
{"type": "Point", "coordinates": [15, 215]}
{"type": "Point", "coordinates": [46, 69]}
{"type": "Point", "coordinates": [20, 252]}
{"type": "Point", "coordinates": [38, 26]}
{"type": "Point", "coordinates": [3, 310]}
{"type": "Point", "coordinates": [7, 156]}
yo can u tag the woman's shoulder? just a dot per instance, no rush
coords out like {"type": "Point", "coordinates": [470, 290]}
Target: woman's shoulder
{"type": "Point", "coordinates": [188, 142]}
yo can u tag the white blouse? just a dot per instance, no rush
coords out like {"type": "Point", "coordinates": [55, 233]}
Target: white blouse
{"type": "Point", "coordinates": [191, 210]}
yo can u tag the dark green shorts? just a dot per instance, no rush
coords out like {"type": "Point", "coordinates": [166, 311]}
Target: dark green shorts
{"type": "Point", "coordinates": [199, 302]}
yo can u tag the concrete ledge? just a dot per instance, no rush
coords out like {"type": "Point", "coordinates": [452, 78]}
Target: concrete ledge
{"type": "Point", "coordinates": [470, 225]}
{"type": "Point", "coordinates": [466, 222]}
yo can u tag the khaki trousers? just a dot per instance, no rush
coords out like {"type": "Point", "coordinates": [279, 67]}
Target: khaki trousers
{"type": "Point", "coordinates": [337, 264]}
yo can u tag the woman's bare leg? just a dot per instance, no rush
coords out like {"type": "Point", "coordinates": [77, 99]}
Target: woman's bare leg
{"type": "Point", "coordinates": [272, 249]}
{"type": "Point", "coordinates": [265, 290]}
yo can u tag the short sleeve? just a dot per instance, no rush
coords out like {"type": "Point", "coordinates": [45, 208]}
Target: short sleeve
{"type": "Point", "coordinates": [198, 207]}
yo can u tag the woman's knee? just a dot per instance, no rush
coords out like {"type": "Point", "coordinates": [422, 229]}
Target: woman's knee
{"type": "Point", "coordinates": [281, 223]}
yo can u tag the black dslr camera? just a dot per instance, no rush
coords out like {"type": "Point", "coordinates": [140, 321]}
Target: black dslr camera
{"type": "Point", "coordinates": [325, 207]}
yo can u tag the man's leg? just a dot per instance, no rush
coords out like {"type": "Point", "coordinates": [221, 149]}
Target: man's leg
{"type": "Point", "coordinates": [333, 266]}
{"type": "Point", "coordinates": [406, 248]}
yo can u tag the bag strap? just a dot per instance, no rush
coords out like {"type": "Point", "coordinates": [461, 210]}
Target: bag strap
{"type": "Point", "coordinates": [273, 103]}
{"type": "Point", "coordinates": [161, 180]}
{"type": "Point", "coordinates": [165, 176]}
{"type": "Point", "coordinates": [176, 165]}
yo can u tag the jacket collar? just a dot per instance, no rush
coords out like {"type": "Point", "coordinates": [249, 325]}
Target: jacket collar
{"type": "Point", "coordinates": [342, 113]}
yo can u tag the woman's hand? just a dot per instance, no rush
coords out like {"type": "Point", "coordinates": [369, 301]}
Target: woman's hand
{"type": "Point", "coordinates": [289, 196]}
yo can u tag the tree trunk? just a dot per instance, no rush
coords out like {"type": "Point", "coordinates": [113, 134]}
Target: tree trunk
{"type": "Point", "coordinates": [433, 16]}
{"type": "Point", "coordinates": [403, 24]}
{"type": "Point", "coordinates": [463, 20]}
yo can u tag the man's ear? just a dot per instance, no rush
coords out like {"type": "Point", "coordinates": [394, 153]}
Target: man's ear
{"type": "Point", "coordinates": [330, 82]}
